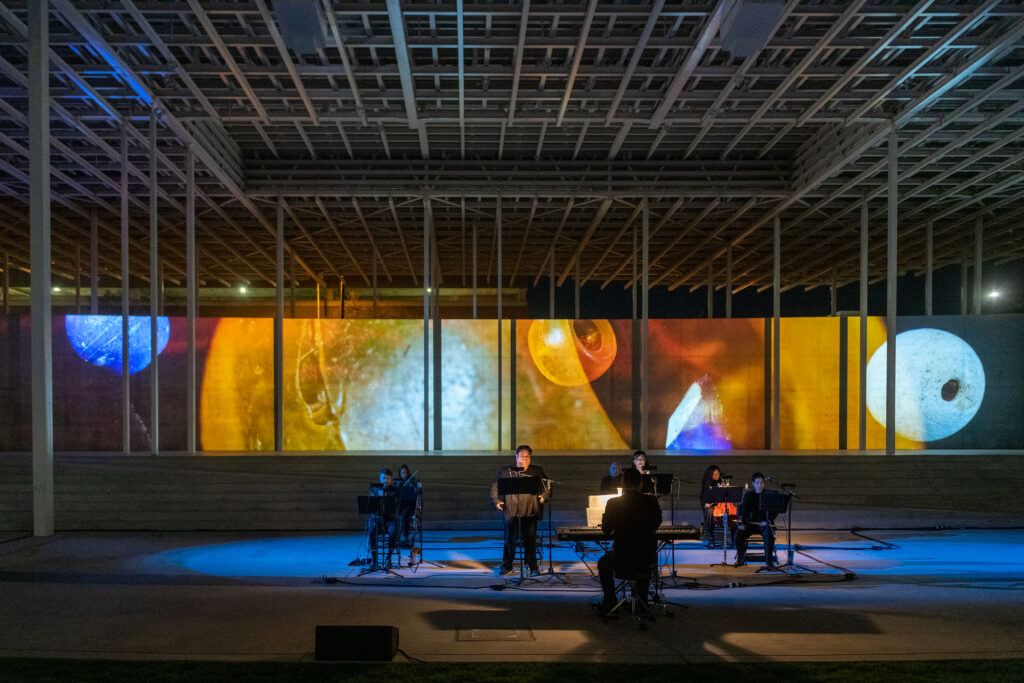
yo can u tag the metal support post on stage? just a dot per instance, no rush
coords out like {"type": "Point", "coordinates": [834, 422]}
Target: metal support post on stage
{"type": "Point", "coordinates": [728, 281]}
{"type": "Point", "coordinates": [862, 362]}
{"type": "Point", "coordinates": [497, 228]}
{"type": "Point", "coordinates": [126, 404]}
{"type": "Point", "coordinates": [94, 262]}
{"type": "Point", "coordinates": [776, 327]}
{"type": "Point", "coordinates": [426, 324]}
{"type": "Point", "coordinates": [191, 280]}
{"type": "Point", "coordinates": [154, 290]}
{"type": "Point", "coordinates": [929, 266]}
{"type": "Point", "coordinates": [645, 285]}
{"type": "Point", "coordinates": [890, 300]}
{"type": "Point", "coordinates": [279, 329]}
{"type": "Point", "coordinates": [977, 265]}
{"type": "Point", "coordinates": [39, 262]}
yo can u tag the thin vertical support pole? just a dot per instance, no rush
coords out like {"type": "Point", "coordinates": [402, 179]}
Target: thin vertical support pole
{"type": "Point", "coordinates": [474, 269]}
{"type": "Point", "coordinates": [436, 350]}
{"type": "Point", "coordinates": [551, 282]}
{"type": "Point", "coordinates": [929, 266]}
{"type": "Point", "coordinates": [833, 295]}
{"type": "Point", "coordinates": [644, 313]}
{"type": "Point", "coordinates": [576, 291]}
{"type": "Point", "coordinates": [964, 263]}
{"type": "Point", "coordinates": [776, 328]}
{"type": "Point", "coordinates": [711, 290]}
{"type": "Point", "coordinates": [7, 285]}
{"type": "Point", "coordinates": [633, 259]}
{"type": "Point", "coordinates": [501, 407]}
{"type": "Point", "coordinates": [374, 288]}
{"type": "Point", "coordinates": [294, 282]}
{"type": "Point", "coordinates": [191, 281]}
{"type": "Point", "coordinates": [78, 279]}
{"type": "Point", "coordinates": [39, 261]}
{"type": "Point", "coordinates": [94, 262]}
{"type": "Point", "coordinates": [126, 404]}
{"type": "Point", "coordinates": [862, 361]}
{"type": "Point", "coordinates": [154, 291]}
{"type": "Point", "coordinates": [426, 323]}
{"type": "Point", "coordinates": [279, 329]}
{"type": "Point", "coordinates": [728, 281]}
{"type": "Point", "coordinates": [977, 264]}
{"type": "Point", "coordinates": [890, 298]}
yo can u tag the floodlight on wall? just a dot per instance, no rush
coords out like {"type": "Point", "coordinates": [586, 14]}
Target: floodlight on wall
{"type": "Point", "coordinates": [748, 26]}
{"type": "Point", "coordinates": [300, 24]}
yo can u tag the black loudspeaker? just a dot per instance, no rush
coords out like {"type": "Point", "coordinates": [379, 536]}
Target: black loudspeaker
{"type": "Point", "coordinates": [356, 643]}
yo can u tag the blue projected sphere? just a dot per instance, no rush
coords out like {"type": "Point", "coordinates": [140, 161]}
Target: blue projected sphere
{"type": "Point", "coordinates": [97, 339]}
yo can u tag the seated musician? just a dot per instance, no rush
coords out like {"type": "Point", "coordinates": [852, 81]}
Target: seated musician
{"type": "Point", "coordinates": [408, 490]}
{"type": "Point", "coordinates": [632, 520]}
{"type": "Point", "coordinates": [753, 520]}
{"type": "Point", "coordinates": [385, 522]}
{"type": "Point", "coordinates": [712, 479]}
{"type": "Point", "coordinates": [613, 482]}
{"type": "Point", "coordinates": [642, 465]}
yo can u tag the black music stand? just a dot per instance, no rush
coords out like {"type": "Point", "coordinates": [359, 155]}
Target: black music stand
{"type": "Point", "coordinates": [520, 485]}
{"type": "Point", "coordinates": [379, 506]}
{"type": "Point", "coordinates": [725, 494]}
{"type": "Point", "coordinates": [772, 504]}
{"type": "Point", "coordinates": [417, 530]}
{"type": "Point", "coordinates": [787, 496]}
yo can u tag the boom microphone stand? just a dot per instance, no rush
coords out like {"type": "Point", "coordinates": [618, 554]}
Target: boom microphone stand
{"type": "Point", "coordinates": [790, 567]}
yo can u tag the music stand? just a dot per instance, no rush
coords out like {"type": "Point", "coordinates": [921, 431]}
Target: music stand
{"type": "Point", "coordinates": [379, 506]}
{"type": "Point", "coordinates": [787, 496]}
{"type": "Point", "coordinates": [725, 494]}
{"type": "Point", "coordinates": [520, 485]}
{"type": "Point", "coordinates": [772, 504]}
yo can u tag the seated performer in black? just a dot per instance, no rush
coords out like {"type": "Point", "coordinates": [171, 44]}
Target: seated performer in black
{"type": "Point", "coordinates": [712, 480]}
{"type": "Point", "coordinates": [408, 489]}
{"type": "Point", "coordinates": [754, 521]}
{"type": "Point", "coordinates": [521, 511]}
{"type": "Point", "coordinates": [632, 521]}
{"type": "Point", "coordinates": [642, 465]}
{"type": "Point", "coordinates": [613, 482]}
{"type": "Point", "coordinates": [384, 523]}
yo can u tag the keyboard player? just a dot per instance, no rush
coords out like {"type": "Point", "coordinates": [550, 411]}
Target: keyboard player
{"type": "Point", "coordinates": [632, 521]}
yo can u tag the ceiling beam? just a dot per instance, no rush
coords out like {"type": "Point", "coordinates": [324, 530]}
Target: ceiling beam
{"type": "Point", "coordinates": [576, 58]}
{"type": "Point", "coordinates": [402, 59]}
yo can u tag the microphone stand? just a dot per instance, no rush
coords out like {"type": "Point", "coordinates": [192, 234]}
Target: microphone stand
{"type": "Point", "coordinates": [551, 538]}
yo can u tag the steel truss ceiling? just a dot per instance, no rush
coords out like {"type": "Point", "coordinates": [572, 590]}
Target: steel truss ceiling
{"type": "Point", "coordinates": [562, 118]}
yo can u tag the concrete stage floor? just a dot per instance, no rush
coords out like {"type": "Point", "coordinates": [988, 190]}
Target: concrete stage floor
{"type": "Point", "coordinates": [897, 594]}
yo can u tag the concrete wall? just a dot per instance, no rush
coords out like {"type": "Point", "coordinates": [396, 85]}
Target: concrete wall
{"type": "Point", "coordinates": [319, 492]}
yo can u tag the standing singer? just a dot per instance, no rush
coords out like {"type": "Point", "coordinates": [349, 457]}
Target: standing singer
{"type": "Point", "coordinates": [521, 511]}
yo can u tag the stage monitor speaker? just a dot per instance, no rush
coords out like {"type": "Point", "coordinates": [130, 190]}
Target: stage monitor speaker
{"type": "Point", "coordinates": [356, 643]}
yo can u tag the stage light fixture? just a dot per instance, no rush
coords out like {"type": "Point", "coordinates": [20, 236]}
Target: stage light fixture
{"type": "Point", "coordinates": [56, 290]}
{"type": "Point", "coordinates": [242, 289]}
{"type": "Point", "coordinates": [994, 294]}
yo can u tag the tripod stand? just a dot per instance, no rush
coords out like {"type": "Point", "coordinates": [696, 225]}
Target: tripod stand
{"type": "Point", "coordinates": [417, 533]}
{"type": "Point", "coordinates": [380, 508]}
{"type": "Point", "coordinates": [551, 541]}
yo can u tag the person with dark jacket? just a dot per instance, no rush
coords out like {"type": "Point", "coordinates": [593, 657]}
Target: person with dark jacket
{"type": "Point", "coordinates": [712, 480]}
{"type": "Point", "coordinates": [632, 520]}
{"type": "Point", "coordinates": [613, 482]}
{"type": "Point", "coordinates": [753, 520]}
{"type": "Point", "coordinates": [522, 511]}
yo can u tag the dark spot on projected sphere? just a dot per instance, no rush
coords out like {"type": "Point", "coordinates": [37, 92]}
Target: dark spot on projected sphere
{"type": "Point", "coordinates": [950, 389]}
{"type": "Point", "coordinates": [588, 334]}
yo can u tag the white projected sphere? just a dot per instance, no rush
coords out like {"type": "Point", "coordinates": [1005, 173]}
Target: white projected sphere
{"type": "Point", "coordinates": [939, 384]}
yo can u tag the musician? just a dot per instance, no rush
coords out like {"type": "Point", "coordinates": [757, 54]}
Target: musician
{"type": "Point", "coordinates": [408, 490]}
{"type": "Point", "coordinates": [632, 520]}
{"type": "Point", "coordinates": [384, 523]}
{"type": "Point", "coordinates": [613, 482]}
{"type": "Point", "coordinates": [643, 466]}
{"type": "Point", "coordinates": [521, 511]}
{"type": "Point", "coordinates": [711, 480]}
{"type": "Point", "coordinates": [754, 521]}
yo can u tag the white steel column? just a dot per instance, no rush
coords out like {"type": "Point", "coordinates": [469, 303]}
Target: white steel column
{"type": "Point", "coordinates": [279, 329]}
{"type": "Point", "coordinates": [191, 439]}
{"type": "Point", "coordinates": [633, 261]}
{"type": "Point", "coordinates": [39, 218]}
{"type": "Point", "coordinates": [929, 266]}
{"type": "Point", "coordinates": [7, 285]}
{"type": "Point", "coordinates": [776, 328]}
{"type": "Point", "coordinates": [977, 265]}
{"type": "Point", "coordinates": [576, 291]}
{"type": "Point", "coordinates": [551, 284]}
{"type": "Point", "coordinates": [890, 300]}
{"type": "Point", "coordinates": [862, 401]}
{"type": "Point", "coordinates": [154, 291]}
{"type": "Point", "coordinates": [497, 228]}
{"type": "Point", "coordinates": [645, 284]}
{"type": "Point", "coordinates": [426, 323]}
{"type": "Point", "coordinates": [126, 405]}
